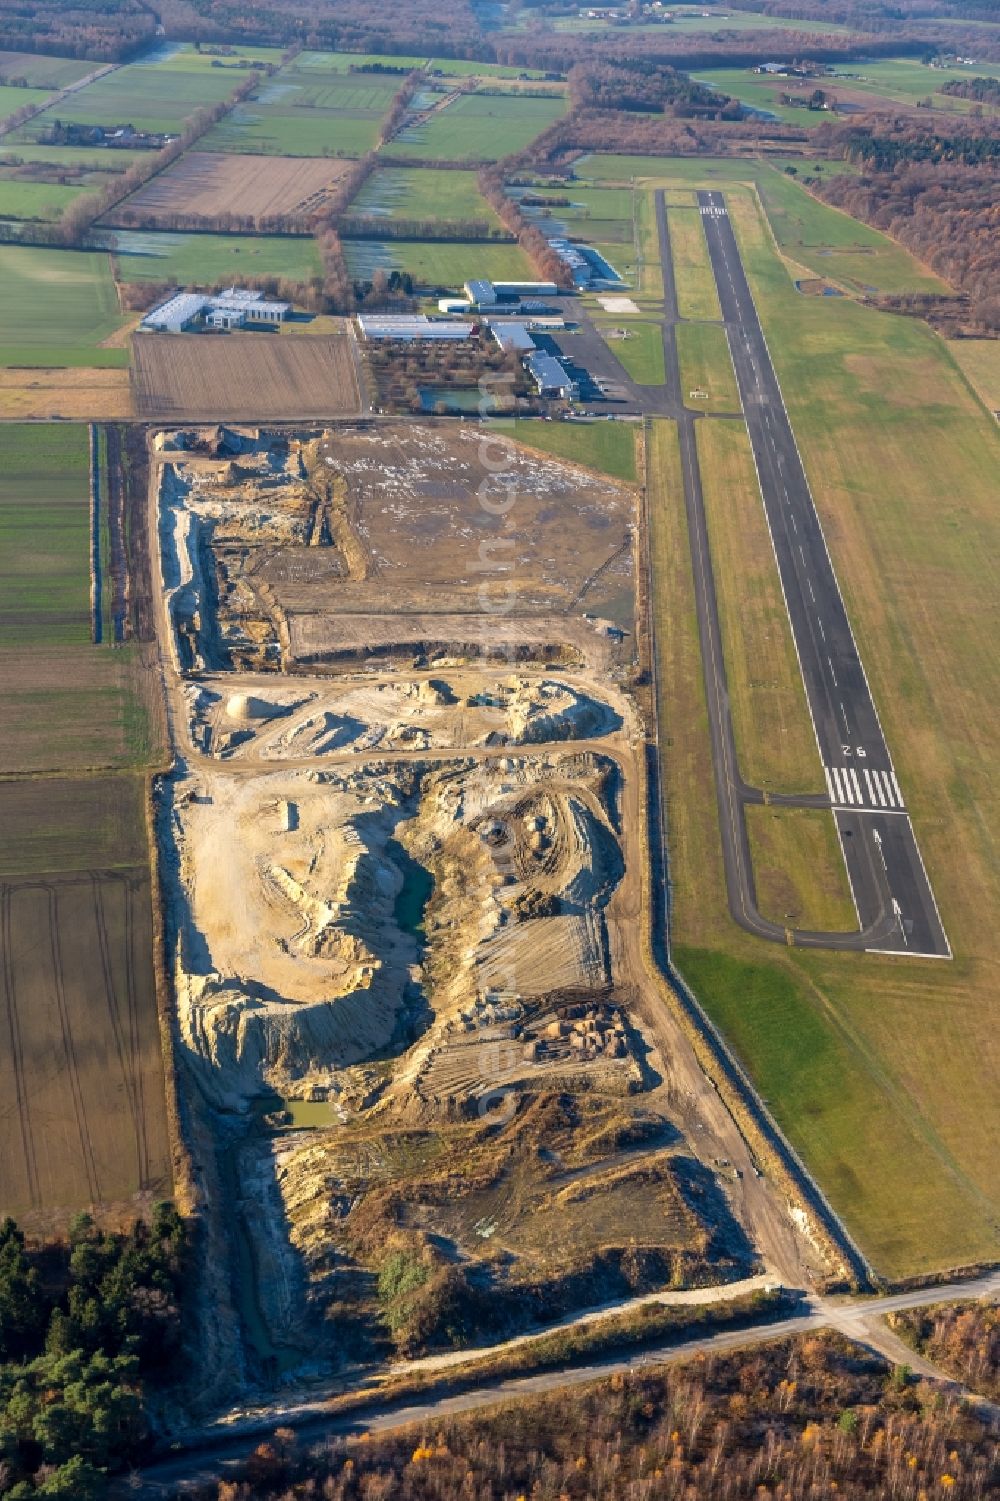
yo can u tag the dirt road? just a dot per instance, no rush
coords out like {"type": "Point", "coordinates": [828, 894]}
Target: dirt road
{"type": "Point", "coordinates": [212, 1459]}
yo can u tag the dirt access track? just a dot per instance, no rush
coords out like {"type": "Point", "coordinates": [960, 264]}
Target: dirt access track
{"type": "Point", "coordinates": [404, 895]}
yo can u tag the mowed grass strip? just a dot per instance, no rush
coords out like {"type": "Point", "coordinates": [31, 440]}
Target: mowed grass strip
{"type": "Point", "coordinates": [696, 294]}
{"type": "Point", "coordinates": [608, 447]}
{"type": "Point", "coordinates": [706, 365]}
{"type": "Point", "coordinates": [799, 869]}
{"type": "Point", "coordinates": [774, 738]}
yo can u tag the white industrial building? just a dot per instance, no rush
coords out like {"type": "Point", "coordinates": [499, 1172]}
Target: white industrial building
{"type": "Point", "coordinates": [489, 295]}
{"type": "Point", "coordinates": [550, 377]}
{"type": "Point", "coordinates": [412, 326]}
{"type": "Point", "coordinates": [236, 307]}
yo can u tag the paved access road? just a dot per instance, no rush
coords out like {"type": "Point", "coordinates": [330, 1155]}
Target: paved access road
{"type": "Point", "coordinates": [896, 909]}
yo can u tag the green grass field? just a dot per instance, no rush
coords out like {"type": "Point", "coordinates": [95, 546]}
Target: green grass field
{"type": "Point", "coordinates": [817, 239]}
{"type": "Point", "coordinates": [199, 260]}
{"type": "Point", "coordinates": [606, 446]}
{"type": "Point", "coordinates": [881, 1070]}
{"type": "Point", "coordinates": [703, 350]}
{"type": "Point", "coordinates": [68, 704]}
{"type": "Point", "coordinates": [799, 869]}
{"type": "Point", "coordinates": [696, 294]}
{"type": "Point", "coordinates": [979, 361]}
{"type": "Point", "coordinates": [46, 73]}
{"type": "Point", "coordinates": [774, 739]}
{"type": "Point", "coordinates": [157, 95]}
{"type": "Point", "coordinates": [437, 263]}
{"type": "Point", "coordinates": [56, 306]}
{"type": "Point", "coordinates": [423, 193]}
{"type": "Point", "coordinates": [763, 93]}
{"type": "Point", "coordinates": [15, 99]}
{"type": "Point", "coordinates": [479, 127]}
{"type": "Point", "coordinates": [35, 200]}
{"type": "Point", "coordinates": [641, 352]}
{"type": "Point", "coordinates": [44, 535]}
{"type": "Point", "coordinates": [599, 215]}
{"type": "Point", "coordinates": [96, 158]}
{"type": "Point", "coordinates": [308, 110]}
{"type": "Point", "coordinates": [905, 80]}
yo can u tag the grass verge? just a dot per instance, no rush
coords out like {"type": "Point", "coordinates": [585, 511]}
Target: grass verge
{"type": "Point", "coordinates": [703, 351]}
{"type": "Point", "coordinates": [774, 737]}
{"type": "Point", "coordinates": [799, 869]}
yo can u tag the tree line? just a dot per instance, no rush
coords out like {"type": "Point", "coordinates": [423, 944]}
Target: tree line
{"type": "Point", "coordinates": [86, 1329]}
{"type": "Point", "coordinates": [794, 1419]}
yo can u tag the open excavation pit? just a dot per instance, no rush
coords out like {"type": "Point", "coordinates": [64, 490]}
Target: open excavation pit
{"type": "Point", "coordinates": [400, 862]}
{"type": "Point", "coordinates": [310, 718]}
{"type": "Point", "coordinates": [329, 547]}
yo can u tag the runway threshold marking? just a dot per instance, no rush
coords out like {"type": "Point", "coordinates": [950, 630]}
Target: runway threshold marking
{"type": "Point", "coordinates": [880, 792]}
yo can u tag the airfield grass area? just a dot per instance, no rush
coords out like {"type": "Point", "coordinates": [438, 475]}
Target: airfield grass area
{"type": "Point", "coordinates": [640, 351]}
{"type": "Point", "coordinates": [608, 447]}
{"type": "Point", "coordinates": [438, 263]}
{"type": "Point", "coordinates": [881, 1070]}
{"type": "Point", "coordinates": [774, 739]}
{"type": "Point", "coordinates": [706, 365]}
{"type": "Point", "coordinates": [799, 869]}
{"type": "Point", "coordinates": [57, 307]}
{"type": "Point", "coordinates": [427, 194]}
{"type": "Point", "coordinates": [816, 239]}
{"type": "Point", "coordinates": [478, 127]}
{"type": "Point", "coordinates": [696, 294]}
{"type": "Point", "coordinates": [212, 260]}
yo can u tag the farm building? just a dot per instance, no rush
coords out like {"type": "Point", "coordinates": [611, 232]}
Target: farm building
{"type": "Point", "coordinates": [413, 326]}
{"type": "Point", "coordinates": [234, 308]}
{"type": "Point", "coordinates": [549, 376]}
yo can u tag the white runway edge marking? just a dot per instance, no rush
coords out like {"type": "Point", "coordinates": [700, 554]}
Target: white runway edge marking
{"type": "Point", "coordinates": [880, 791]}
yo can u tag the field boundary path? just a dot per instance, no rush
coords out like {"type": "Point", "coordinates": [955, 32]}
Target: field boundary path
{"type": "Point", "coordinates": [208, 1458]}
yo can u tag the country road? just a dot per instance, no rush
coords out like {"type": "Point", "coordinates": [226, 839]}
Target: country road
{"type": "Point", "coordinates": [213, 1457]}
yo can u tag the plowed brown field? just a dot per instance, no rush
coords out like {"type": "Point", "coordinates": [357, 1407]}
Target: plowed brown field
{"type": "Point", "coordinates": [211, 183]}
{"type": "Point", "coordinates": [243, 377]}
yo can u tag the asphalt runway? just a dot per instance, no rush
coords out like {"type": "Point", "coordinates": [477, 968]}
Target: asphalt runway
{"type": "Point", "coordinates": [893, 899]}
